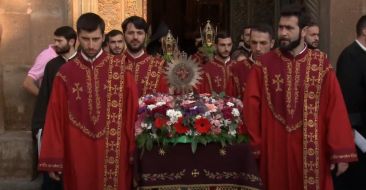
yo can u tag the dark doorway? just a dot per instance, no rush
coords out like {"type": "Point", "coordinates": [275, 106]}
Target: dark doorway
{"type": "Point", "coordinates": [185, 17]}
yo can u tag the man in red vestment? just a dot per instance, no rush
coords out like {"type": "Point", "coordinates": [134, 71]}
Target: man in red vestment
{"type": "Point", "coordinates": [295, 113]}
{"type": "Point", "coordinates": [261, 42]}
{"type": "Point", "coordinates": [89, 130]}
{"type": "Point", "coordinates": [216, 73]}
{"type": "Point", "coordinates": [147, 70]}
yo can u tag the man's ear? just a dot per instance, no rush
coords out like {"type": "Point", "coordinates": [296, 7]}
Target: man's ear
{"type": "Point", "coordinates": [364, 31]}
{"type": "Point", "coordinates": [304, 31]}
{"type": "Point", "coordinates": [72, 42]}
{"type": "Point", "coordinates": [272, 43]}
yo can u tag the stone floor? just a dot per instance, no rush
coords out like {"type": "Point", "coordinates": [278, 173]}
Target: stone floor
{"type": "Point", "coordinates": [21, 184]}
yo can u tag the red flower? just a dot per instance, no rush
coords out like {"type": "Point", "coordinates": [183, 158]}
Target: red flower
{"type": "Point", "coordinates": [160, 122]}
{"type": "Point", "coordinates": [160, 110]}
{"type": "Point", "coordinates": [179, 127]}
{"type": "Point", "coordinates": [150, 101]}
{"type": "Point", "coordinates": [202, 125]}
{"type": "Point", "coordinates": [226, 112]}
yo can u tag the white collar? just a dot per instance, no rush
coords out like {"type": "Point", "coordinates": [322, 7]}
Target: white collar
{"type": "Point", "coordinates": [224, 61]}
{"type": "Point", "coordinates": [137, 56]}
{"type": "Point", "coordinates": [361, 46]}
{"type": "Point", "coordinates": [72, 56]}
{"type": "Point", "coordinates": [91, 60]}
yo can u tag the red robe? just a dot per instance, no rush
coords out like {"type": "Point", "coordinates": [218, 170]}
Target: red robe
{"type": "Point", "coordinates": [199, 58]}
{"type": "Point", "coordinates": [89, 129]}
{"type": "Point", "coordinates": [217, 77]}
{"type": "Point", "coordinates": [297, 120]}
{"type": "Point", "coordinates": [148, 72]}
{"type": "Point", "coordinates": [240, 72]}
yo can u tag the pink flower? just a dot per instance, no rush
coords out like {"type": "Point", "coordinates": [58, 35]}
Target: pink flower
{"type": "Point", "coordinates": [211, 107]}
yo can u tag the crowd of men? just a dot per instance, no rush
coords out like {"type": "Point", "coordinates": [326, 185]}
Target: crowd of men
{"type": "Point", "coordinates": [296, 113]}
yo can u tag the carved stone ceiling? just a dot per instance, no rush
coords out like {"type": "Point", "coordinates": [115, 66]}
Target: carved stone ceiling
{"type": "Point", "coordinates": [112, 11]}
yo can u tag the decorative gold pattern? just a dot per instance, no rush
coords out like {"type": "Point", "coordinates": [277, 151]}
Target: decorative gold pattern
{"type": "Point", "coordinates": [162, 152]}
{"type": "Point", "coordinates": [277, 81]}
{"type": "Point", "coordinates": [199, 187]}
{"type": "Point", "coordinates": [63, 77]}
{"type": "Point", "coordinates": [150, 81]}
{"type": "Point", "coordinates": [113, 12]}
{"type": "Point", "coordinates": [113, 135]}
{"type": "Point", "coordinates": [46, 165]}
{"type": "Point", "coordinates": [289, 128]}
{"type": "Point", "coordinates": [164, 176]}
{"type": "Point", "coordinates": [84, 129]}
{"type": "Point", "coordinates": [77, 89]}
{"type": "Point", "coordinates": [195, 173]}
{"type": "Point", "coordinates": [92, 77]}
{"type": "Point", "coordinates": [345, 156]}
{"type": "Point", "coordinates": [222, 152]}
{"type": "Point", "coordinates": [314, 70]}
{"type": "Point", "coordinates": [231, 175]}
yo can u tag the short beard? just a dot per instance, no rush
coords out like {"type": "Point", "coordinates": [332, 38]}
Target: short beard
{"type": "Point", "coordinates": [113, 53]}
{"type": "Point", "coordinates": [63, 50]}
{"type": "Point", "coordinates": [222, 57]}
{"type": "Point", "coordinates": [292, 45]}
{"type": "Point", "coordinates": [134, 50]}
{"type": "Point", "coordinates": [311, 46]}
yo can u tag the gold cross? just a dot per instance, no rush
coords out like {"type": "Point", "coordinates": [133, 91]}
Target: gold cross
{"type": "Point", "coordinates": [110, 173]}
{"type": "Point", "coordinates": [278, 81]}
{"type": "Point", "coordinates": [311, 137]}
{"type": "Point", "coordinates": [114, 89]}
{"type": "Point", "coordinates": [313, 80]}
{"type": "Point", "coordinates": [311, 165]}
{"type": "Point", "coordinates": [311, 108]}
{"type": "Point", "coordinates": [218, 81]}
{"type": "Point", "coordinates": [77, 89]}
{"type": "Point", "coordinates": [195, 173]}
{"type": "Point", "coordinates": [114, 117]}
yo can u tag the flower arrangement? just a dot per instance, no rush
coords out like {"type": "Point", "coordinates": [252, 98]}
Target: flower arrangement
{"type": "Point", "coordinates": [192, 118]}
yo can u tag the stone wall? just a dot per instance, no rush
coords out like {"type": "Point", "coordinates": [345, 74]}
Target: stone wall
{"type": "Point", "coordinates": [27, 29]}
{"type": "Point", "coordinates": [342, 22]}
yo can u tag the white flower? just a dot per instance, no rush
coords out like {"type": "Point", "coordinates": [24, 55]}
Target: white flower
{"type": "Point", "coordinates": [198, 116]}
{"type": "Point", "coordinates": [149, 126]}
{"type": "Point", "coordinates": [235, 112]}
{"type": "Point", "coordinates": [160, 104]}
{"type": "Point", "coordinates": [229, 104]}
{"type": "Point", "coordinates": [189, 133]}
{"type": "Point", "coordinates": [144, 125]}
{"type": "Point", "coordinates": [151, 107]}
{"type": "Point", "coordinates": [227, 122]}
{"type": "Point", "coordinates": [232, 132]}
{"type": "Point", "coordinates": [173, 115]}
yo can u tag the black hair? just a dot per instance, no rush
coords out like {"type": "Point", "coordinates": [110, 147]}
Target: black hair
{"type": "Point", "coordinates": [112, 33]}
{"type": "Point", "coordinates": [90, 22]}
{"type": "Point", "coordinates": [265, 28]}
{"type": "Point", "coordinates": [298, 11]}
{"type": "Point", "coordinates": [66, 31]}
{"type": "Point", "coordinates": [222, 35]}
{"type": "Point", "coordinates": [361, 25]}
{"type": "Point", "coordinates": [137, 21]}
